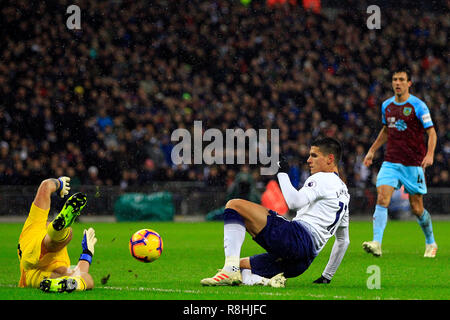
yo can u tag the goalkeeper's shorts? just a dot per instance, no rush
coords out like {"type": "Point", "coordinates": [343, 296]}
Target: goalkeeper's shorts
{"type": "Point", "coordinates": [35, 266]}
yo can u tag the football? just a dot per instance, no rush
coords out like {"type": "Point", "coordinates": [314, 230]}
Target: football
{"type": "Point", "coordinates": [146, 245]}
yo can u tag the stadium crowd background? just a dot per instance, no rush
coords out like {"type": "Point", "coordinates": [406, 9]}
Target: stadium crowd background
{"type": "Point", "coordinates": [99, 104]}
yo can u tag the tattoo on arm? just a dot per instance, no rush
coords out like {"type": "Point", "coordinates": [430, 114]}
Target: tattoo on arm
{"type": "Point", "coordinates": [56, 182]}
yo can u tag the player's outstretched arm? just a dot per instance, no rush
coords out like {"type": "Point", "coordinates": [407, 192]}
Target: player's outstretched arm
{"type": "Point", "coordinates": [82, 269]}
{"type": "Point", "coordinates": [64, 186]}
{"type": "Point", "coordinates": [295, 199]}
{"type": "Point", "coordinates": [379, 141]}
{"type": "Point", "coordinates": [337, 254]}
{"type": "Point", "coordinates": [283, 164]}
{"type": "Point", "coordinates": [47, 187]}
{"type": "Point", "coordinates": [88, 245]}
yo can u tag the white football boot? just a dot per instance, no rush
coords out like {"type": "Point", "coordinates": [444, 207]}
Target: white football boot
{"type": "Point", "coordinates": [373, 247]}
{"type": "Point", "coordinates": [223, 278]}
{"type": "Point", "coordinates": [430, 250]}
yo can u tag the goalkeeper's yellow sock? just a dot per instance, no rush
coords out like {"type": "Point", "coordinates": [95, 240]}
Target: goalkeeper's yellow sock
{"type": "Point", "coordinates": [81, 283]}
{"type": "Point", "coordinates": [57, 235]}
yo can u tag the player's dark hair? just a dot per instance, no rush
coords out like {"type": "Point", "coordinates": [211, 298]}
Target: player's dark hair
{"type": "Point", "coordinates": [329, 146]}
{"type": "Point", "coordinates": [405, 70]}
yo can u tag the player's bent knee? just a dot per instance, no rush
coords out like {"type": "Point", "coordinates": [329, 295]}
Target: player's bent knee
{"type": "Point", "coordinates": [416, 203]}
{"type": "Point", "coordinates": [234, 204]}
{"type": "Point", "coordinates": [253, 215]}
{"type": "Point", "coordinates": [242, 206]}
{"type": "Point", "coordinates": [384, 195]}
{"type": "Point", "coordinates": [238, 206]}
{"type": "Point", "coordinates": [53, 246]}
{"type": "Point", "coordinates": [417, 210]}
{"type": "Point", "coordinates": [383, 200]}
{"type": "Point", "coordinates": [88, 280]}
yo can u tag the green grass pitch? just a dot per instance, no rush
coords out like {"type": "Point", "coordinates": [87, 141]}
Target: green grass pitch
{"type": "Point", "coordinates": [193, 251]}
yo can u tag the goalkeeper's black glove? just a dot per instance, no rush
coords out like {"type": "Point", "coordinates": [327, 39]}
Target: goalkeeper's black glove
{"type": "Point", "coordinates": [283, 165]}
{"type": "Point", "coordinates": [322, 279]}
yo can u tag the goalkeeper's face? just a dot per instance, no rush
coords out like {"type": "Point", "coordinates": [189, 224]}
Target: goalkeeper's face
{"type": "Point", "coordinates": [320, 162]}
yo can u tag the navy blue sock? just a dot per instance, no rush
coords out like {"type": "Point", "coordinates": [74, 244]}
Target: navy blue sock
{"type": "Point", "coordinates": [233, 238]}
{"type": "Point", "coordinates": [232, 216]}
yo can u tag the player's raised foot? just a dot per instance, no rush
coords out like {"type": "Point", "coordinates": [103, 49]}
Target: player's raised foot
{"type": "Point", "coordinates": [373, 247]}
{"type": "Point", "coordinates": [71, 209]}
{"type": "Point", "coordinates": [277, 281]}
{"type": "Point", "coordinates": [59, 285]}
{"type": "Point", "coordinates": [223, 278]}
{"type": "Point", "coordinates": [430, 250]}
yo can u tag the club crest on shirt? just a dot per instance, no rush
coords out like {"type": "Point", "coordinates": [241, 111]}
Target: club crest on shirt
{"type": "Point", "coordinates": [311, 184]}
{"type": "Point", "coordinates": [407, 111]}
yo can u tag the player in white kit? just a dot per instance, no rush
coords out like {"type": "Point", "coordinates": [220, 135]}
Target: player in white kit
{"type": "Point", "coordinates": [322, 211]}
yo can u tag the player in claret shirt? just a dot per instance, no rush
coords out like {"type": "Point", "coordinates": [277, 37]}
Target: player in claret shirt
{"type": "Point", "coordinates": [322, 211]}
{"type": "Point", "coordinates": [405, 119]}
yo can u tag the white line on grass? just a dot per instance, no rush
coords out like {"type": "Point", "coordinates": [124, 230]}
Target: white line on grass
{"type": "Point", "coordinates": [217, 292]}
{"type": "Point", "coordinates": [279, 294]}
{"type": "Point", "coordinates": [186, 291]}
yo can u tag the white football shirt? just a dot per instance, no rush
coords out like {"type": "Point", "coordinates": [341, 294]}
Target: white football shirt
{"type": "Point", "coordinates": [322, 203]}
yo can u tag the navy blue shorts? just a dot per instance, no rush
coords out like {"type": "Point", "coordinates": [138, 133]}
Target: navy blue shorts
{"type": "Point", "coordinates": [289, 248]}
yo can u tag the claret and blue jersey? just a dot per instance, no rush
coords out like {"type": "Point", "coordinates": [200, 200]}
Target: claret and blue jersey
{"type": "Point", "coordinates": [406, 123]}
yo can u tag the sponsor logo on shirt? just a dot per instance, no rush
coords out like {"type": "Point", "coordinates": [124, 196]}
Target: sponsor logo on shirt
{"type": "Point", "coordinates": [401, 125]}
{"type": "Point", "coordinates": [426, 118]}
{"type": "Point", "coordinates": [391, 122]}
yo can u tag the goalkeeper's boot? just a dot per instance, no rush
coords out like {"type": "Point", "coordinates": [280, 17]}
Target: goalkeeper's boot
{"type": "Point", "coordinates": [71, 209]}
{"type": "Point", "coordinates": [224, 278]}
{"type": "Point", "coordinates": [430, 250]}
{"type": "Point", "coordinates": [277, 281]}
{"type": "Point", "coordinates": [373, 247]}
{"type": "Point", "coordinates": [59, 285]}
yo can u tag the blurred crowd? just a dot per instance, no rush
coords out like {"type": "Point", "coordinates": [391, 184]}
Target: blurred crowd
{"type": "Point", "coordinates": [99, 104]}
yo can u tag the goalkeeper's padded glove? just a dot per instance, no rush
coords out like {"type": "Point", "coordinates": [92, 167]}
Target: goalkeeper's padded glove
{"type": "Point", "coordinates": [88, 243]}
{"type": "Point", "coordinates": [322, 279]}
{"type": "Point", "coordinates": [283, 165]}
{"type": "Point", "coordinates": [64, 186]}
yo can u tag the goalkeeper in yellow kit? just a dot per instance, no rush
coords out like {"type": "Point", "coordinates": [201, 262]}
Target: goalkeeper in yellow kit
{"type": "Point", "coordinates": [42, 251]}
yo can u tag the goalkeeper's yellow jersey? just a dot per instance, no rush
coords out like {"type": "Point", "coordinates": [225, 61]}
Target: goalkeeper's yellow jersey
{"type": "Point", "coordinates": [35, 265]}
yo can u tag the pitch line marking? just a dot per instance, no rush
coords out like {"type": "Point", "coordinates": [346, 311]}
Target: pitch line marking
{"type": "Point", "coordinates": [183, 291]}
